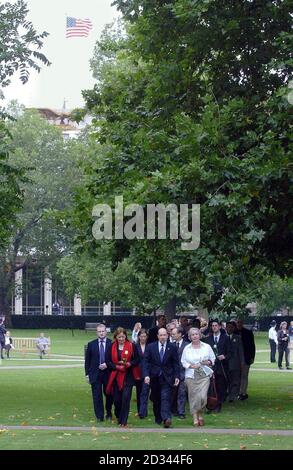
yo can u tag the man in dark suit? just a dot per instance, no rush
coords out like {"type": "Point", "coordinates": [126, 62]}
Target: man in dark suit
{"type": "Point", "coordinates": [235, 362]}
{"type": "Point", "coordinates": [153, 332]}
{"type": "Point", "coordinates": [249, 355]}
{"type": "Point", "coordinates": [161, 370]}
{"type": "Point", "coordinates": [97, 373]}
{"type": "Point", "coordinates": [219, 343]}
{"type": "Point", "coordinates": [179, 393]}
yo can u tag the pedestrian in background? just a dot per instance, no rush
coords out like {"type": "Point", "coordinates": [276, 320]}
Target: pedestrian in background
{"type": "Point", "coordinates": [273, 340]}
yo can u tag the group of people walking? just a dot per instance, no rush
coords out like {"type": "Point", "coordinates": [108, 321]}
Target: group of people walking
{"type": "Point", "coordinates": [282, 340]}
{"type": "Point", "coordinates": [169, 364]}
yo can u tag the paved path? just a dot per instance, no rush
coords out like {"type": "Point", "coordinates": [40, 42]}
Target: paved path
{"type": "Point", "coordinates": [268, 432]}
{"type": "Point", "coordinates": [67, 366]}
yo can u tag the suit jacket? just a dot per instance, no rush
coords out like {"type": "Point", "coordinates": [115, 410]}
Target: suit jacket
{"type": "Point", "coordinates": [140, 353]}
{"type": "Point", "coordinates": [248, 345]}
{"type": "Point", "coordinates": [169, 367]}
{"type": "Point", "coordinates": [2, 333]}
{"type": "Point", "coordinates": [222, 347]}
{"type": "Point", "coordinates": [283, 344]}
{"type": "Point", "coordinates": [92, 359]}
{"type": "Point", "coordinates": [237, 354]}
{"type": "Point", "coordinates": [180, 351]}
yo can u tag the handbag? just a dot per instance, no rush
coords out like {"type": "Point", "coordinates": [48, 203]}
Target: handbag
{"type": "Point", "coordinates": [212, 400]}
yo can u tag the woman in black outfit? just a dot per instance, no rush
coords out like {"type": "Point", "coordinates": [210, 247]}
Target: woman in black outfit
{"type": "Point", "coordinates": [122, 360]}
{"type": "Point", "coordinates": [142, 389]}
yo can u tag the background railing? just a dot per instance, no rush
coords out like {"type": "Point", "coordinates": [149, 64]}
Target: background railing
{"type": "Point", "coordinates": [69, 310]}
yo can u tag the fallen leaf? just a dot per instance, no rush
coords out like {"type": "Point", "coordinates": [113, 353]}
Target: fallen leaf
{"type": "Point", "coordinates": [242, 447]}
{"type": "Point", "coordinates": [125, 438]}
{"type": "Point", "coordinates": [224, 448]}
{"type": "Point", "coordinates": [24, 423]}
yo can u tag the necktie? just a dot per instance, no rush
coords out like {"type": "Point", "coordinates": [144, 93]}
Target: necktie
{"type": "Point", "coordinates": [162, 353]}
{"type": "Point", "coordinates": [177, 344]}
{"type": "Point", "coordinates": [216, 339]}
{"type": "Point", "coordinates": [102, 352]}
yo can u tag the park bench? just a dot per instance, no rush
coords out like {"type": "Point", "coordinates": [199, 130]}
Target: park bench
{"type": "Point", "coordinates": [93, 327]}
{"type": "Point", "coordinates": [25, 345]}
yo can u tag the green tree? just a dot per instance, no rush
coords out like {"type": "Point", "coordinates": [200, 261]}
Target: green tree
{"type": "Point", "coordinates": [20, 43]}
{"type": "Point", "coordinates": [19, 51]}
{"type": "Point", "coordinates": [40, 229]}
{"type": "Point", "coordinates": [275, 294]}
{"type": "Point", "coordinates": [194, 109]}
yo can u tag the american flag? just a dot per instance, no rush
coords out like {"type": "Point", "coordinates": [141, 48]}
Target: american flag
{"type": "Point", "coordinates": [77, 27]}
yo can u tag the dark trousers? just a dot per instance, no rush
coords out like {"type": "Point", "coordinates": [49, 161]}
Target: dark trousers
{"type": "Point", "coordinates": [2, 347]}
{"type": "Point", "coordinates": [161, 393]}
{"type": "Point", "coordinates": [179, 395]}
{"type": "Point", "coordinates": [142, 397]}
{"type": "Point", "coordinates": [234, 383]}
{"type": "Point", "coordinates": [8, 347]}
{"type": "Point", "coordinates": [122, 402]}
{"type": "Point", "coordinates": [280, 358]}
{"type": "Point", "coordinates": [273, 347]}
{"type": "Point", "coordinates": [221, 387]}
{"type": "Point", "coordinates": [98, 389]}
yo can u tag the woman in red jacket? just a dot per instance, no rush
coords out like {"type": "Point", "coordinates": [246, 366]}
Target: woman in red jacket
{"type": "Point", "coordinates": [122, 360]}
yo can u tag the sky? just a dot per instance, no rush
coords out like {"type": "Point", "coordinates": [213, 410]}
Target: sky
{"type": "Point", "coordinates": [70, 70]}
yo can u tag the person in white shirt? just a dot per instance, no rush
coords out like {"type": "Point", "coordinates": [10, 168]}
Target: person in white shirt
{"type": "Point", "coordinates": [43, 344]}
{"type": "Point", "coordinates": [135, 331]}
{"type": "Point", "coordinates": [8, 343]}
{"type": "Point", "coordinates": [273, 340]}
{"type": "Point", "coordinates": [197, 359]}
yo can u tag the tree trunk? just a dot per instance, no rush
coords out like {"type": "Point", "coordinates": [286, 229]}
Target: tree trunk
{"type": "Point", "coordinates": [170, 308]}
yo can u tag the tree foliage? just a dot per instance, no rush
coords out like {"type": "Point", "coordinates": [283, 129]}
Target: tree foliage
{"type": "Point", "coordinates": [192, 108]}
{"type": "Point", "coordinates": [20, 43]}
{"type": "Point", "coordinates": [39, 230]}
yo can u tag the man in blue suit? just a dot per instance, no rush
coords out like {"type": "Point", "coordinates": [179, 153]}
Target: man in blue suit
{"type": "Point", "coordinates": [97, 373]}
{"type": "Point", "coordinates": [161, 370]}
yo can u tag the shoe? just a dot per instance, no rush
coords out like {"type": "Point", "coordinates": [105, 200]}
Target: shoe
{"type": "Point", "coordinates": [231, 400]}
{"type": "Point", "coordinates": [100, 419]}
{"type": "Point", "coordinates": [281, 368]}
{"type": "Point", "coordinates": [123, 425]}
{"type": "Point", "coordinates": [181, 416]}
{"type": "Point", "coordinates": [167, 423]}
{"type": "Point", "coordinates": [41, 357]}
{"type": "Point", "coordinates": [289, 368]}
{"type": "Point", "coordinates": [209, 412]}
{"type": "Point", "coordinates": [109, 418]}
{"type": "Point", "coordinates": [158, 422]}
{"type": "Point", "coordinates": [243, 396]}
{"type": "Point", "coordinates": [141, 417]}
{"type": "Point", "coordinates": [200, 422]}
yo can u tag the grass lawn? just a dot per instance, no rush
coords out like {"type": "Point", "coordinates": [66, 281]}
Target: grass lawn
{"type": "Point", "coordinates": [51, 440]}
{"type": "Point", "coordinates": [62, 397]}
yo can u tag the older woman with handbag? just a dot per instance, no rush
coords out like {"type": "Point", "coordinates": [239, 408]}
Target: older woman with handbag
{"type": "Point", "coordinates": [197, 359]}
{"type": "Point", "coordinates": [122, 360]}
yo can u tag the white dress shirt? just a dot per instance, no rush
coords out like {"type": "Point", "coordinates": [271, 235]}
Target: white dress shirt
{"type": "Point", "coordinates": [273, 334]}
{"type": "Point", "coordinates": [160, 346]}
{"type": "Point", "coordinates": [192, 356]}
